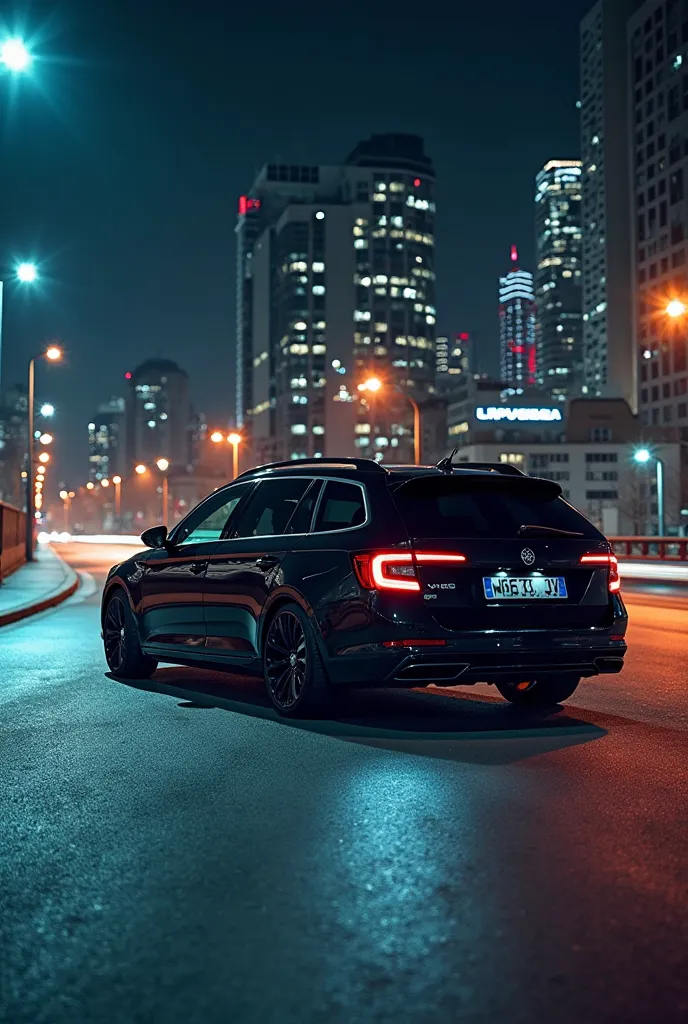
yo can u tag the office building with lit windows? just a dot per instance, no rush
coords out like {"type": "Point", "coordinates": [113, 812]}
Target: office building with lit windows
{"type": "Point", "coordinates": [607, 275]}
{"type": "Point", "coordinates": [158, 414]}
{"type": "Point", "coordinates": [558, 334]}
{"type": "Point", "coordinates": [517, 326]}
{"type": "Point", "coordinates": [338, 285]}
{"type": "Point", "coordinates": [658, 67]}
{"type": "Point", "coordinates": [107, 441]}
{"type": "Point", "coordinates": [452, 359]}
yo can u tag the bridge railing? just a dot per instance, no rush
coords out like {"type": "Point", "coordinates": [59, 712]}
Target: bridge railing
{"type": "Point", "coordinates": [12, 539]}
{"type": "Point", "coordinates": [654, 549]}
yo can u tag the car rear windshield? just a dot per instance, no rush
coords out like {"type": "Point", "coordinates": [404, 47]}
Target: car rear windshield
{"type": "Point", "coordinates": [489, 506]}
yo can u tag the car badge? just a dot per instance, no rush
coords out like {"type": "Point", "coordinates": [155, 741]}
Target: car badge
{"type": "Point", "coordinates": [528, 556]}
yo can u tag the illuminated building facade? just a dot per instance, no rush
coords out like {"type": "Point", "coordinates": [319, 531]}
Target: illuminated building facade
{"type": "Point", "coordinates": [559, 336]}
{"type": "Point", "coordinates": [517, 326]}
{"type": "Point", "coordinates": [658, 58]}
{"type": "Point", "coordinates": [452, 358]}
{"type": "Point", "coordinates": [158, 413]}
{"type": "Point", "coordinates": [107, 441]}
{"type": "Point", "coordinates": [342, 287]}
{"type": "Point", "coordinates": [607, 289]}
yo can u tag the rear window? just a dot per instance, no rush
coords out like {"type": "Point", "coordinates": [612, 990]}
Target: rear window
{"type": "Point", "coordinates": [486, 507]}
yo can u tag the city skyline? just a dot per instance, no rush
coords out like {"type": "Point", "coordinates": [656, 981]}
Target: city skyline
{"type": "Point", "coordinates": [149, 274]}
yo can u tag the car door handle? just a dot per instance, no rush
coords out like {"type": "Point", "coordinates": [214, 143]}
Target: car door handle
{"type": "Point", "coordinates": [197, 568]}
{"type": "Point", "coordinates": [267, 562]}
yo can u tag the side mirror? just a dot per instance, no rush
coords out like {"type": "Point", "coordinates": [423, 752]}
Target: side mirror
{"type": "Point", "coordinates": [155, 537]}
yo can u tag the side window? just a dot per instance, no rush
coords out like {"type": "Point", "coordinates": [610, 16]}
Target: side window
{"type": "Point", "coordinates": [342, 507]}
{"type": "Point", "coordinates": [270, 507]}
{"type": "Point", "coordinates": [209, 520]}
{"type": "Point", "coordinates": [300, 522]}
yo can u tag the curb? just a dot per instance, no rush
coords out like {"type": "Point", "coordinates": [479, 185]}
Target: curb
{"type": "Point", "coordinates": [26, 611]}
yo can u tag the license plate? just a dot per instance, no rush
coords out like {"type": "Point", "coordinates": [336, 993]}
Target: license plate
{"type": "Point", "coordinates": [500, 588]}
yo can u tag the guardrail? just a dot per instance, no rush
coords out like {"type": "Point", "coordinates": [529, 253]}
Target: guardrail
{"type": "Point", "coordinates": [12, 539]}
{"type": "Point", "coordinates": [655, 549]}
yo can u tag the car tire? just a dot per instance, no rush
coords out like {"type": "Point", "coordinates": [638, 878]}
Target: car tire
{"type": "Point", "coordinates": [123, 651]}
{"type": "Point", "coordinates": [542, 692]}
{"type": "Point", "coordinates": [295, 677]}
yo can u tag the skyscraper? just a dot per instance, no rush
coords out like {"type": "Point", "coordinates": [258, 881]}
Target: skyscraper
{"type": "Point", "coordinates": [158, 414]}
{"type": "Point", "coordinates": [558, 279]}
{"type": "Point", "coordinates": [517, 326]}
{"type": "Point", "coordinates": [337, 280]}
{"type": "Point", "coordinates": [610, 365]}
{"type": "Point", "coordinates": [658, 38]}
{"type": "Point", "coordinates": [107, 441]}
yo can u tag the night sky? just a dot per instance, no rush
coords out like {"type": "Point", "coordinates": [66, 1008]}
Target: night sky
{"type": "Point", "coordinates": [123, 157]}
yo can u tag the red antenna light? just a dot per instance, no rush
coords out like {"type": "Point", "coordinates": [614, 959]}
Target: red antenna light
{"type": "Point", "coordinates": [243, 202]}
{"type": "Point", "coordinates": [416, 182]}
{"type": "Point", "coordinates": [127, 376]}
{"type": "Point", "coordinates": [514, 254]}
{"type": "Point", "coordinates": [463, 336]}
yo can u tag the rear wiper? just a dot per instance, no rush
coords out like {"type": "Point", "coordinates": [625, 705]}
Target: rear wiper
{"type": "Point", "coordinates": [528, 529]}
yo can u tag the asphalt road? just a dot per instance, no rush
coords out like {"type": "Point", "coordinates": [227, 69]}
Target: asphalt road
{"type": "Point", "coordinates": [171, 852]}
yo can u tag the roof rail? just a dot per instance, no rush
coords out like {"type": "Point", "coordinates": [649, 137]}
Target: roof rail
{"type": "Point", "coordinates": [447, 466]}
{"type": "Point", "coordinates": [344, 462]}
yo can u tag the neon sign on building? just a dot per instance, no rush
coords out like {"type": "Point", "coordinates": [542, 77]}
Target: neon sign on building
{"type": "Point", "coordinates": [513, 414]}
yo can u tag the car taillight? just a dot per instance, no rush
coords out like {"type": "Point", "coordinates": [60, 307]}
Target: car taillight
{"type": "Point", "coordinates": [613, 563]}
{"type": "Point", "coordinates": [396, 570]}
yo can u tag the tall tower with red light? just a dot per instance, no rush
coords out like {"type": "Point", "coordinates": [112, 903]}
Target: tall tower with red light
{"type": "Point", "coordinates": [517, 326]}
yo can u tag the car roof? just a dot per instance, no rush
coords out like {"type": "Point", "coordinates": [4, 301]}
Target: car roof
{"type": "Point", "coordinates": [366, 468]}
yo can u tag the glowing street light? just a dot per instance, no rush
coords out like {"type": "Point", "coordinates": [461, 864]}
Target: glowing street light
{"type": "Point", "coordinates": [217, 436]}
{"type": "Point", "coordinates": [141, 469]}
{"type": "Point", "coordinates": [675, 309]}
{"type": "Point", "coordinates": [27, 273]}
{"type": "Point", "coordinates": [235, 440]}
{"type": "Point", "coordinates": [163, 465]}
{"type": "Point", "coordinates": [14, 55]}
{"type": "Point", "coordinates": [373, 385]}
{"type": "Point", "coordinates": [90, 486]}
{"type": "Point", "coordinates": [644, 456]}
{"type": "Point", "coordinates": [53, 353]}
{"type": "Point", "coordinates": [105, 483]}
{"type": "Point", "coordinates": [117, 481]}
{"type": "Point", "coordinates": [47, 410]}
{"type": "Point", "coordinates": [46, 438]}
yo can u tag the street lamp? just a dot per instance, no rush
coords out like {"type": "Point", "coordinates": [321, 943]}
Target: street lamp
{"type": "Point", "coordinates": [53, 353]}
{"type": "Point", "coordinates": [14, 55]}
{"type": "Point", "coordinates": [27, 273]}
{"type": "Point", "coordinates": [66, 503]}
{"type": "Point", "coordinates": [117, 481]}
{"type": "Point", "coordinates": [374, 385]}
{"type": "Point", "coordinates": [141, 469]}
{"type": "Point", "coordinates": [235, 440]}
{"type": "Point", "coordinates": [163, 465]}
{"type": "Point", "coordinates": [642, 456]}
{"type": "Point", "coordinates": [47, 410]}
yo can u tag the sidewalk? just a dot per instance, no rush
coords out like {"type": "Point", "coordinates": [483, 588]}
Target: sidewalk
{"type": "Point", "coordinates": [36, 586]}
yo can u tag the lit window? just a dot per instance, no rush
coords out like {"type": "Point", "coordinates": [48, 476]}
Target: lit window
{"type": "Point", "coordinates": [151, 423]}
{"type": "Point", "coordinates": [318, 289]}
{"type": "Point", "coordinates": [361, 314]}
{"type": "Point", "coordinates": [318, 350]}
{"type": "Point", "coordinates": [398, 222]}
{"type": "Point", "coordinates": [163, 415]}
{"type": "Point", "coordinates": [396, 186]}
{"type": "Point", "coordinates": [300, 325]}
{"type": "Point", "coordinates": [429, 319]}
{"type": "Point", "coordinates": [362, 428]}
{"type": "Point", "coordinates": [318, 429]}
{"type": "Point", "coordinates": [318, 268]}
{"type": "Point", "coordinates": [320, 215]}
{"type": "Point", "coordinates": [379, 197]}
{"type": "Point", "coordinates": [298, 428]}
{"type": "Point", "coordinates": [380, 327]}
{"type": "Point", "coordinates": [360, 243]}
{"type": "Point", "coordinates": [365, 281]}
{"type": "Point", "coordinates": [380, 186]}
{"type": "Point", "coordinates": [409, 293]}
{"type": "Point", "coordinates": [298, 350]}
{"type": "Point", "coordinates": [382, 442]}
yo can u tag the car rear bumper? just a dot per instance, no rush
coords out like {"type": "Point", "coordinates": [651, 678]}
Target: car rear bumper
{"type": "Point", "coordinates": [477, 659]}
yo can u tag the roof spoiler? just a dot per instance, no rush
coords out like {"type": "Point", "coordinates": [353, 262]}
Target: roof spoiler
{"type": "Point", "coordinates": [447, 466]}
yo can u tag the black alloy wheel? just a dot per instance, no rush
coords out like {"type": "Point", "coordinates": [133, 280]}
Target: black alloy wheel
{"type": "Point", "coordinates": [294, 674]}
{"type": "Point", "coordinates": [543, 691]}
{"type": "Point", "coordinates": [122, 648]}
